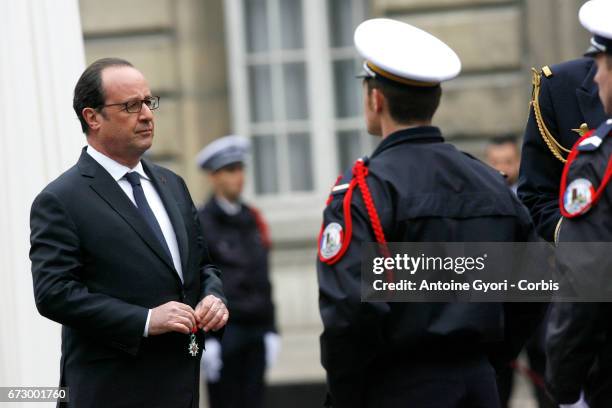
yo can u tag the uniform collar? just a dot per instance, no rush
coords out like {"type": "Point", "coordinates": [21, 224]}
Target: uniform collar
{"type": "Point", "coordinates": [227, 206]}
{"type": "Point", "coordinates": [420, 134]}
{"type": "Point", "coordinates": [240, 218]}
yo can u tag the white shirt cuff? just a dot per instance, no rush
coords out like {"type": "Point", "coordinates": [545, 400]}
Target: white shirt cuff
{"type": "Point", "coordinates": [146, 329]}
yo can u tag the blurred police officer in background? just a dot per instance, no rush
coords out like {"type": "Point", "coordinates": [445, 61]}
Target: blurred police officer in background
{"type": "Point", "coordinates": [414, 187]}
{"type": "Point", "coordinates": [564, 106]}
{"type": "Point", "coordinates": [239, 242]}
{"type": "Point", "coordinates": [579, 336]}
{"type": "Point", "coordinates": [503, 154]}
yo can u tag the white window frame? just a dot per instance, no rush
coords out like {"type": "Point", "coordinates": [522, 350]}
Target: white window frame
{"type": "Point", "coordinates": [321, 124]}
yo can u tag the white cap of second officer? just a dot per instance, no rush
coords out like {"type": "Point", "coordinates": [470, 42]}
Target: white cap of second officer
{"type": "Point", "coordinates": [223, 152]}
{"type": "Point", "coordinates": [404, 54]}
{"type": "Point", "coordinates": [596, 16]}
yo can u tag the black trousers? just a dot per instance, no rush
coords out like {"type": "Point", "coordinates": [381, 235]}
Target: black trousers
{"type": "Point", "coordinates": [242, 376]}
{"type": "Point", "coordinates": [537, 363]}
{"type": "Point", "coordinates": [457, 383]}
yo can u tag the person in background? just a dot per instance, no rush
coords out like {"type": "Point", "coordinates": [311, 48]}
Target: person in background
{"type": "Point", "coordinates": [503, 154]}
{"type": "Point", "coordinates": [239, 241]}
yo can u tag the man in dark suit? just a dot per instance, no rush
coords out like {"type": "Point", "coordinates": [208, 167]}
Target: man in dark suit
{"type": "Point", "coordinates": [565, 105]}
{"type": "Point", "coordinates": [119, 259]}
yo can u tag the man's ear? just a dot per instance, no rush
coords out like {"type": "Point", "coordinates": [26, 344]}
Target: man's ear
{"type": "Point", "coordinates": [378, 100]}
{"type": "Point", "coordinates": [92, 117]}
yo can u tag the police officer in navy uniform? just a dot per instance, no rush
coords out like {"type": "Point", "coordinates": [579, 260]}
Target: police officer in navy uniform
{"type": "Point", "coordinates": [579, 336]}
{"type": "Point", "coordinates": [239, 240]}
{"type": "Point", "coordinates": [414, 187]}
{"type": "Point", "coordinates": [565, 105]}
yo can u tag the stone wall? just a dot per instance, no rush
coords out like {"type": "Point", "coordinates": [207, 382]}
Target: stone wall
{"type": "Point", "coordinates": [179, 46]}
{"type": "Point", "coordinates": [498, 42]}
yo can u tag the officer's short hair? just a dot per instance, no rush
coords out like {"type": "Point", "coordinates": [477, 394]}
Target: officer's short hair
{"type": "Point", "coordinates": [408, 103]}
{"type": "Point", "coordinates": [89, 92]}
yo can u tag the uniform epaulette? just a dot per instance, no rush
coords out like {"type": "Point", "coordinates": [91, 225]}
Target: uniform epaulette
{"type": "Point", "coordinates": [553, 145]}
{"type": "Point", "coordinates": [593, 141]}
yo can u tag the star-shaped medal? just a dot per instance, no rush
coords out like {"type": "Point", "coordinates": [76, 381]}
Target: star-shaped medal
{"type": "Point", "coordinates": [193, 347]}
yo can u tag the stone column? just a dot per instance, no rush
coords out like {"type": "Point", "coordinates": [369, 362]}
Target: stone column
{"type": "Point", "coordinates": [41, 58]}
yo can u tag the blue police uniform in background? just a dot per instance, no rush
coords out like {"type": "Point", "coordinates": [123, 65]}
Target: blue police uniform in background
{"type": "Point", "coordinates": [238, 239]}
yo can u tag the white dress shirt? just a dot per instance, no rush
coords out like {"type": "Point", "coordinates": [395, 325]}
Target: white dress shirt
{"type": "Point", "coordinates": [117, 172]}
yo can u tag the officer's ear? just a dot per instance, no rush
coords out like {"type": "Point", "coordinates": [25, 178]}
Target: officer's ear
{"type": "Point", "coordinates": [377, 100]}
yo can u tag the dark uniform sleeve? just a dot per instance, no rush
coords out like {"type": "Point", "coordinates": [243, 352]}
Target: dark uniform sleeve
{"type": "Point", "coordinates": [352, 329]}
{"type": "Point", "coordinates": [540, 170]}
{"type": "Point", "coordinates": [520, 319]}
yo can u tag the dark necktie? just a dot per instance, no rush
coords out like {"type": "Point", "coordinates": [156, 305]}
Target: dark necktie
{"type": "Point", "coordinates": [145, 209]}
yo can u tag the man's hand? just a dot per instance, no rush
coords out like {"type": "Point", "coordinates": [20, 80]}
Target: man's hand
{"type": "Point", "coordinates": [211, 313]}
{"type": "Point", "coordinates": [172, 317]}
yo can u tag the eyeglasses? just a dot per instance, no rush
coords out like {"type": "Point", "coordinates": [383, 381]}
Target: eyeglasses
{"type": "Point", "coordinates": [152, 103]}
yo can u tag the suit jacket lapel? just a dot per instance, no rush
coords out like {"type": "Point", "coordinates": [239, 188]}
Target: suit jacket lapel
{"type": "Point", "coordinates": [108, 189]}
{"type": "Point", "coordinates": [588, 100]}
{"type": "Point", "coordinates": [180, 230]}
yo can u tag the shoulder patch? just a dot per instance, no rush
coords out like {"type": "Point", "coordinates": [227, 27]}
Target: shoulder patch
{"type": "Point", "coordinates": [331, 241]}
{"type": "Point", "coordinates": [578, 197]}
{"type": "Point", "coordinates": [547, 71]}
